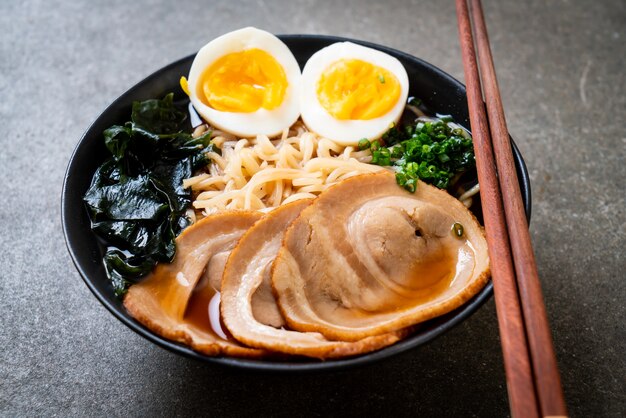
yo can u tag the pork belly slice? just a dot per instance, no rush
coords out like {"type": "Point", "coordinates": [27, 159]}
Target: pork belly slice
{"type": "Point", "coordinates": [180, 301]}
{"type": "Point", "coordinates": [249, 309]}
{"type": "Point", "coordinates": [367, 257]}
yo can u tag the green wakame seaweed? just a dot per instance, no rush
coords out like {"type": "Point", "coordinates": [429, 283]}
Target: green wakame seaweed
{"type": "Point", "coordinates": [136, 201]}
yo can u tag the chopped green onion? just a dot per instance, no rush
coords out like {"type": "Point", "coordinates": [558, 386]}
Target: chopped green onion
{"type": "Point", "coordinates": [364, 144]}
{"type": "Point", "coordinates": [381, 156]}
{"type": "Point", "coordinates": [457, 229]}
{"type": "Point", "coordinates": [430, 151]}
{"type": "Point", "coordinates": [414, 101]}
{"type": "Point", "coordinates": [381, 78]}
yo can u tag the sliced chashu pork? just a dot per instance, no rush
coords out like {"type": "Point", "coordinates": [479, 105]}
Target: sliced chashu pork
{"type": "Point", "coordinates": [249, 309]}
{"type": "Point", "coordinates": [180, 301]}
{"type": "Point", "coordinates": [368, 257]}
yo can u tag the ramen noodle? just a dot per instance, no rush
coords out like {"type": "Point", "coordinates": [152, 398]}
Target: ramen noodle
{"type": "Point", "coordinates": [262, 173]}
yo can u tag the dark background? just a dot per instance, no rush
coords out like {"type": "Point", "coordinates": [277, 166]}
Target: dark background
{"type": "Point", "coordinates": [561, 67]}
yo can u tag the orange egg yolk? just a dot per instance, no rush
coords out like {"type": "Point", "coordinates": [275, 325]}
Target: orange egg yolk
{"type": "Point", "coordinates": [243, 82]}
{"type": "Point", "coordinates": [355, 89]}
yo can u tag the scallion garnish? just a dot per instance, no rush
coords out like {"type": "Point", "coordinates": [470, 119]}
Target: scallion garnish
{"type": "Point", "coordinates": [364, 144]}
{"type": "Point", "coordinates": [430, 151]}
{"type": "Point", "coordinates": [414, 101]}
{"type": "Point", "coordinates": [457, 229]}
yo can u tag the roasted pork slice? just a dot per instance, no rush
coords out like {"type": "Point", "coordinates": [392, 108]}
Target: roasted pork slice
{"type": "Point", "coordinates": [367, 257]}
{"type": "Point", "coordinates": [249, 309]}
{"type": "Point", "coordinates": [180, 301]}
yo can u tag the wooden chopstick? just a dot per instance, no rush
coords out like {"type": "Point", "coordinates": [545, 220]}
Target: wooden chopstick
{"type": "Point", "coordinates": [526, 339]}
{"type": "Point", "coordinates": [519, 380]}
{"type": "Point", "coordinates": [544, 364]}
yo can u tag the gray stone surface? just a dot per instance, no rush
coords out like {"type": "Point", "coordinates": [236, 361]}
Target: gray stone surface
{"type": "Point", "coordinates": [561, 66]}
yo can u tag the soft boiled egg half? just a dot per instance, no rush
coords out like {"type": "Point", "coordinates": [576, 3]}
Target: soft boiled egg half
{"type": "Point", "coordinates": [246, 82]}
{"type": "Point", "coordinates": [351, 92]}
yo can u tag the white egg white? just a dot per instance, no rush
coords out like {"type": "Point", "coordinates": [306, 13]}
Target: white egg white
{"type": "Point", "coordinates": [263, 121]}
{"type": "Point", "coordinates": [348, 132]}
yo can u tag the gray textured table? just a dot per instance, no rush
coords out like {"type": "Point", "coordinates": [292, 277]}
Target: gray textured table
{"type": "Point", "coordinates": [561, 66]}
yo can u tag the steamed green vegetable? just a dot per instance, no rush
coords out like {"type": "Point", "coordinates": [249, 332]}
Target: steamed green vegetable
{"type": "Point", "coordinates": [136, 200]}
{"type": "Point", "coordinates": [429, 151]}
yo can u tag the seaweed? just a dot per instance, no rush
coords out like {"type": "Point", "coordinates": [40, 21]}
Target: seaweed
{"type": "Point", "coordinates": [136, 201]}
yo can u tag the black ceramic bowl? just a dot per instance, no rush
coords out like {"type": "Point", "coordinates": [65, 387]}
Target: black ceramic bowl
{"type": "Point", "coordinates": [440, 93]}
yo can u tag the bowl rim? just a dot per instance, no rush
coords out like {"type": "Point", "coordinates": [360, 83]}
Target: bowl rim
{"type": "Point", "coordinates": [459, 314]}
